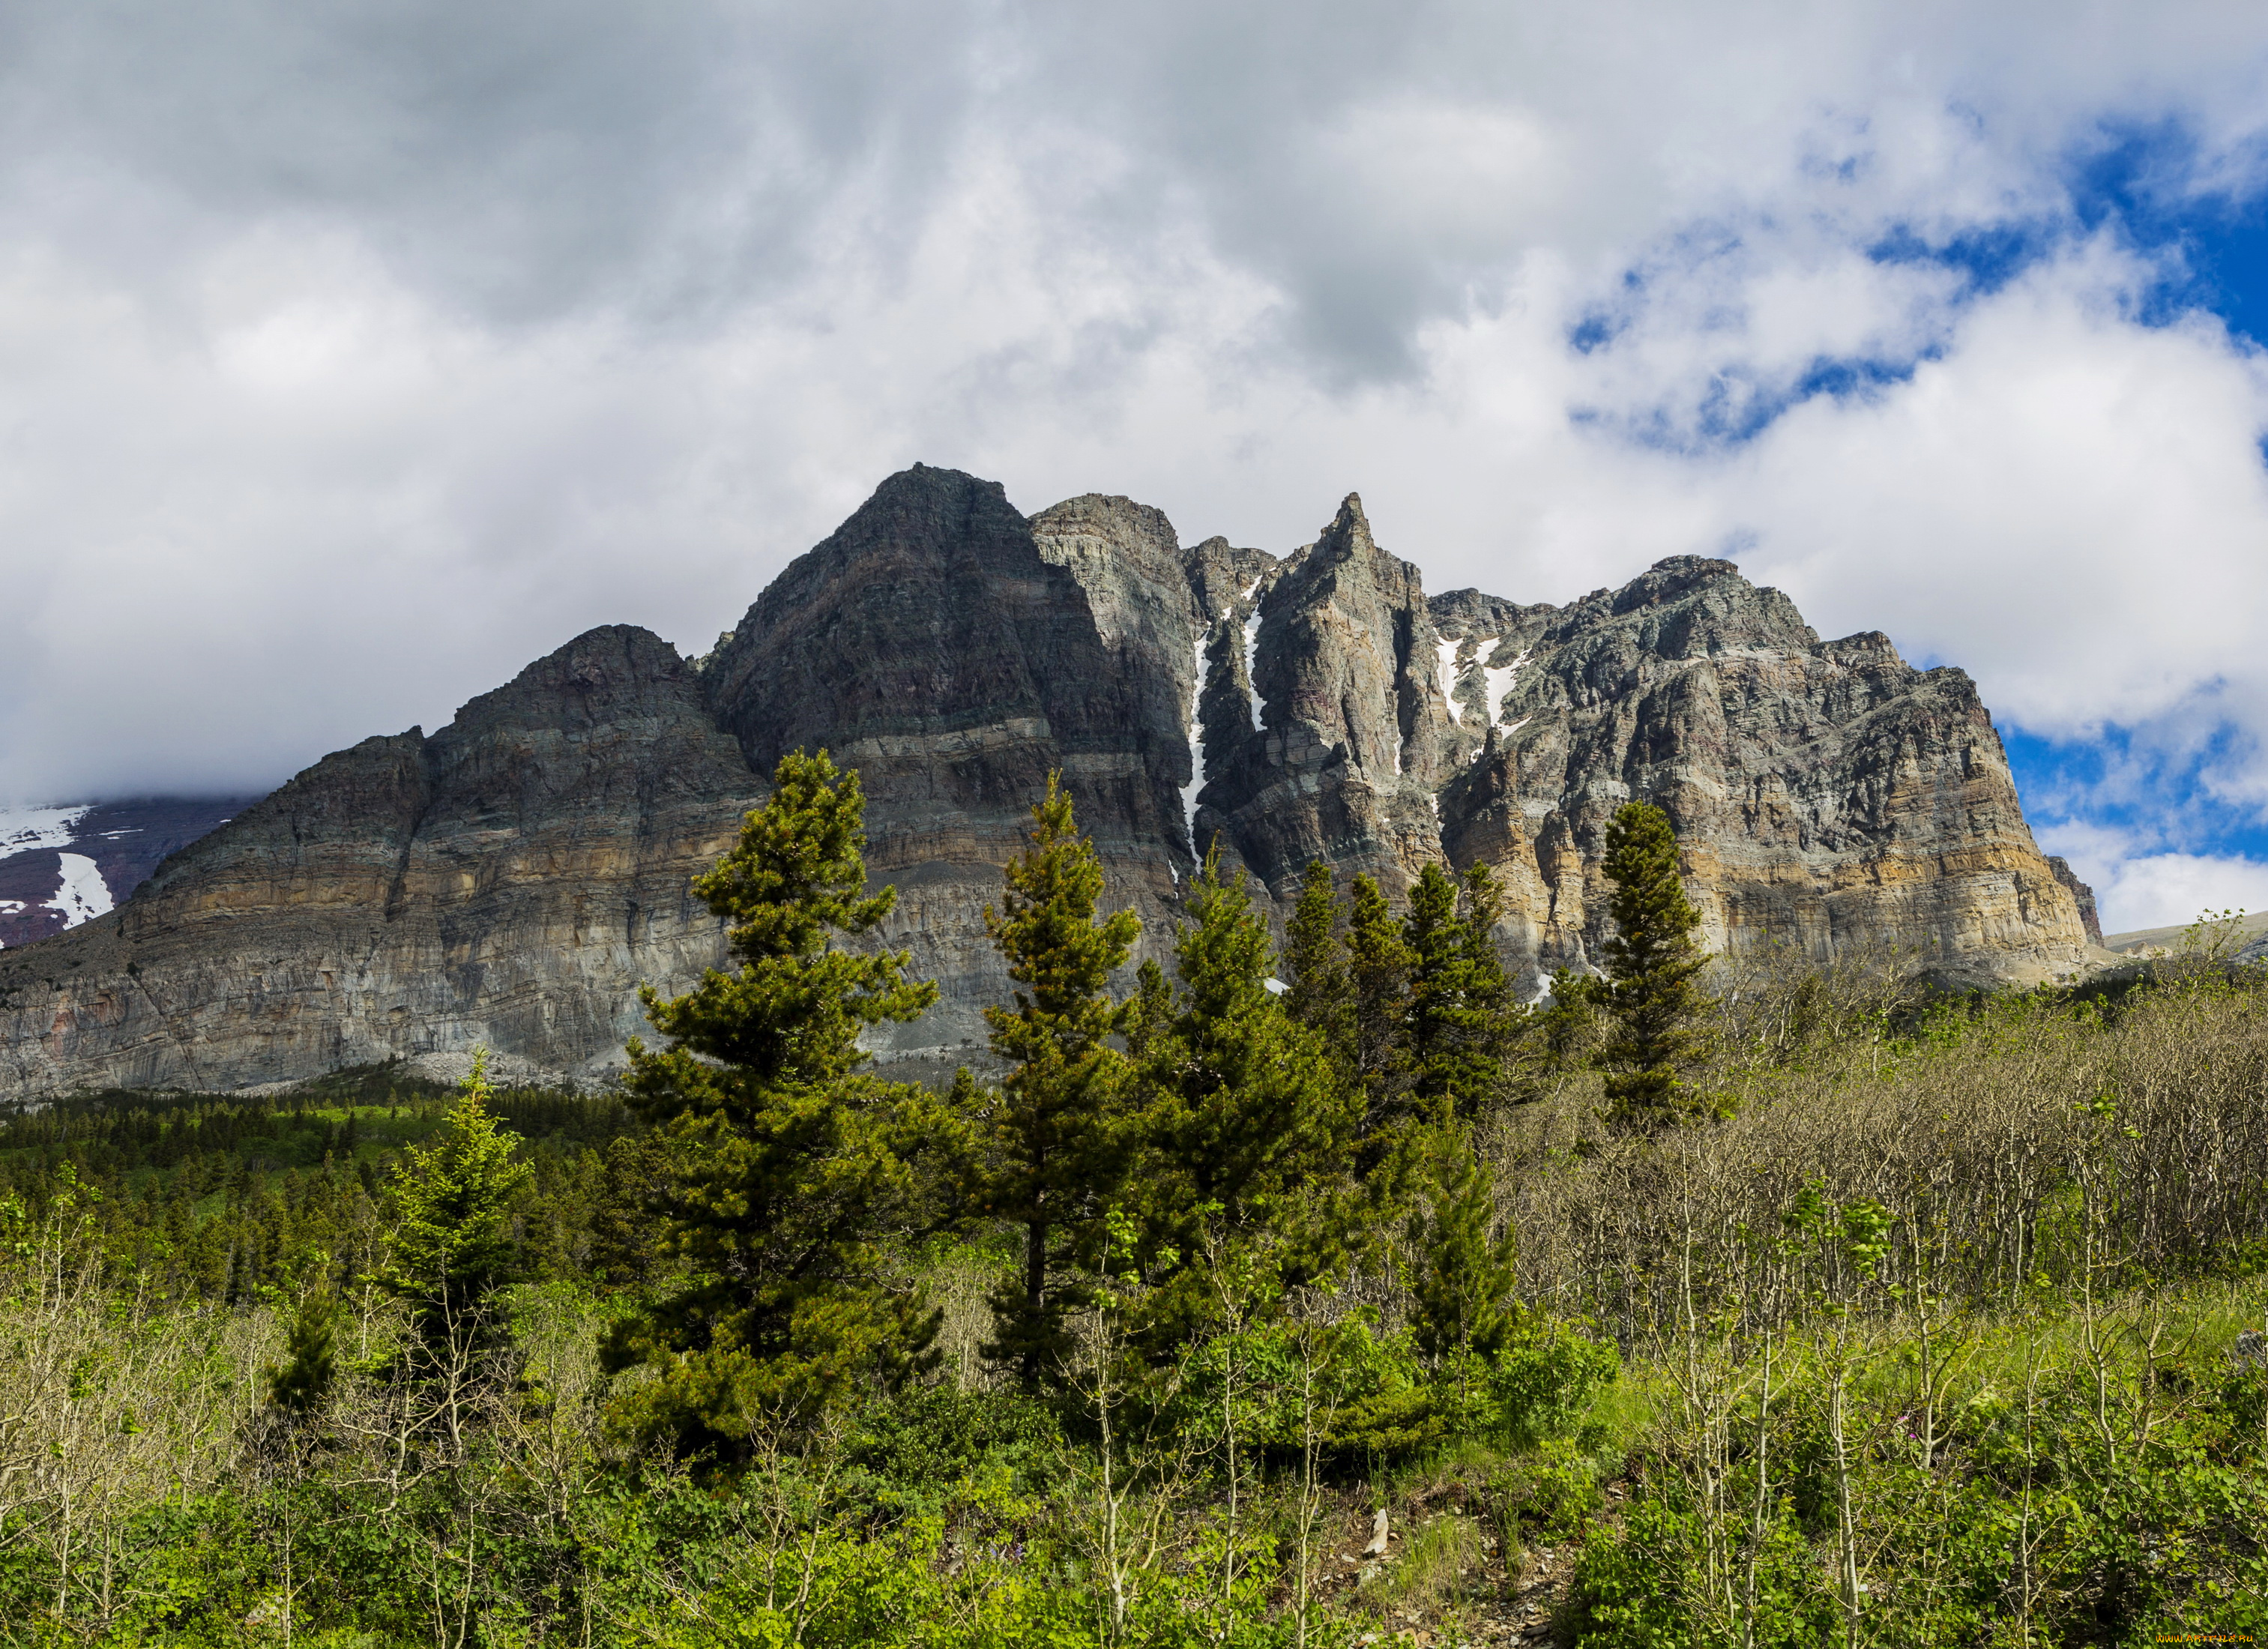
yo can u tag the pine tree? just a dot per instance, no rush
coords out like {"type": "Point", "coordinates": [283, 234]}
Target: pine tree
{"type": "Point", "coordinates": [1461, 1284]}
{"type": "Point", "coordinates": [1056, 1137]}
{"type": "Point", "coordinates": [1244, 1104]}
{"type": "Point", "coordinates": [1652, 963]}
{"type": "Point", "coordinates": [787, 1170]}
{"type": "Point", "coordinates": [452, 1245]}
{"type": "Point", "coordinates": [1314, 961]}
{"type": "Point", "coordinates": [632, 1174]}
{"type": "Point", "coordinates": [1461, 1022]}
{"type": "Point", "coordinates": [1378, 972]}
{"type": "Point", "coordinates": [1151, 1011]}
{"type": "Point", "coordinates": [310, 1366]}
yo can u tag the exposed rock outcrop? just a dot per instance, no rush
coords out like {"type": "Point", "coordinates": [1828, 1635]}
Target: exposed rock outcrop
{"type": "Point", "coordinates": [930, 644]}
{"type": "Point", "coordinates": [2081, 894]}
{"type": "Point", "coordinates": [1820, 789]}
{"type": "Point", "coordinates": [510, 879]}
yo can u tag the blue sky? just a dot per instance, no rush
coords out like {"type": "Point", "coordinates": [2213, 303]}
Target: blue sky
{"type": "Point", "coordinates": [2209, 249]}
{"type": "Point", "coordinates": [2213, 250]}
{"type": "Point", "coordinates": [352, 355]}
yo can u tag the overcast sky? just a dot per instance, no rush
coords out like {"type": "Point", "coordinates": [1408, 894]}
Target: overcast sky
{"type": "Point", "coordinates": [353, 355]}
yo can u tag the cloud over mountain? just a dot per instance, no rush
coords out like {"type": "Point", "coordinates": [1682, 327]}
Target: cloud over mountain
{"type": "Point", "coordinates": [355, 351]}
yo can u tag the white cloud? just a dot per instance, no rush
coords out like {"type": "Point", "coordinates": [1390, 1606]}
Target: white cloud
{"type": "Point", "coordinates": [2136, 888]}
{"type": "Point", "coordinates": [350, 356]}
{"type": "Point", "coordinates": [2070, 505]}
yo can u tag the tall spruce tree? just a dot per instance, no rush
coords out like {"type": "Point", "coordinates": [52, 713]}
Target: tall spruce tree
{"type": "Point", "coordinates": [789, 1170]}
{"type": "Point", "coordinates": [1315, 964]}
{"type": "Point", "coordinates": [1244, 1105]}
{"type": "Point", "coordinates": [303, 1382]}
{"type": "Point", "coordinates": [1057, 1138]}
{"type": "Point", "coordinates": [1378, 985]}
{"type": "Point", "coordinates": [1652, 963]}
{"type": "Point", "coordinates": [1461, 1281]}
{"type": "Point", "coordinates": [1151, 1011]}
{"type": "Point", "coordinates": [1461, 1022]}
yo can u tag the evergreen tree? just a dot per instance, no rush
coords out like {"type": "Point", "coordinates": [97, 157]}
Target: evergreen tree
{"type": "Point", "coordinates": [1652, 963]}
{"type": "Point", "coordinates": [452, 1245]}
{"type": "Point", "coordinates": [310, 1366]}
{"type": "Point", "coordinates": [1244, 1104]}
{"type": "Point", "coordinates": [787, 1169]}
{"type": "Point", "coordinates": [1461, 1284]}
{"type": "Point", "coordinates": [1315, 961]}
{"type": "Point", "coordinates": [1055, 1139]}
{"type": "Point", "coordinates": [633, 1173]}
{"type": "Point", "coordinates": [1152, 1010]}
{"type": "Point", "coordinates": [1378, 974]}
{"type": "Point", "coordinates": [1461, 1021]}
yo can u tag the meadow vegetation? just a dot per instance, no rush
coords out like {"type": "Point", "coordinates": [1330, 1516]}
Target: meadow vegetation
{"type": "Point", "coordinates": [1314, 1294]}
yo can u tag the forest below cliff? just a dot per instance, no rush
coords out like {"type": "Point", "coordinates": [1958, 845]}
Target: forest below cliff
{"type": "Point", "coordinates": [1312, 1293]}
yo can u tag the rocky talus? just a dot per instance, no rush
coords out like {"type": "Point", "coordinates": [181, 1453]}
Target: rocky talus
{"type": "Point", "coordinates": [510, 879]}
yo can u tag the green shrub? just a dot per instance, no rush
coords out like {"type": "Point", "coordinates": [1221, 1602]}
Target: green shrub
{"type": "Point", "coordinates": [1539, 1385]}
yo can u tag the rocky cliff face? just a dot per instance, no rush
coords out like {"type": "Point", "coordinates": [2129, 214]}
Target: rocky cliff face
{"type": "Point", "coordinates": [510, 879]}
{"type": "Point", "coordinates": [1820, 790]}
{"type": "Point", "coordinates": [932, 645]}
{"type": "Point", "coordinates": [2081, 894]}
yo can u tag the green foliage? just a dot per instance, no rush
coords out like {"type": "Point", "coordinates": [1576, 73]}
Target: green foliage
{"type": "Point", "coordinates": [1949, 1302]}
{"type": "Point", "coordinates": [787, 1169]}
{"type": "Point", "coordinates": [1056, 1142]}
{"type": "Point", "coordinates": [1378, 974]}
{"type": "Point", "coordinates": [1319, 994]}
{"type": "Point", "coordinates": [1461, 1282]}
{"type": "Point", "coordinates": [1653, 962]}
{"type": "Point", "coordinates": [1542, 1381]}
{"type": "Point", "coordinates": [1461, 1022]}
{"type": "Point", "coordinates": [1643, 1586]}
{"type": "Point", "coordinates": [310, 1364]}
{"type": "Point", "coordinates": [1244, 1110]}
{"type": "Point", "coordinates": [451, 1244]}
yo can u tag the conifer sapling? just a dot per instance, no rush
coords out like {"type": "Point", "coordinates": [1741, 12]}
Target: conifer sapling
{"type": "Point", "coordinates": [1652, 963]}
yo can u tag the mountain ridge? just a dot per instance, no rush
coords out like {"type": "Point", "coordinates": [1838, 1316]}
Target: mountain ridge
{"type": "Point", "coordinates": [510, 878]}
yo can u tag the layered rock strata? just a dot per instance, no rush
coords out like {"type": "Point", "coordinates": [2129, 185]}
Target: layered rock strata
{"type": "Point", "coordinates": [2081, 894]}
{"type": "Point", "coordinates": [1823, 791]}
{"type": "Point", "coordinates": [510, 879]}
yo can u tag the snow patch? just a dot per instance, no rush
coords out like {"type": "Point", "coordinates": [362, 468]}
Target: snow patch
{"type": "Point", "coordinates": [29, 830]}
{"type": "Point", "coordinates": [1448, 652]}
{"type": "Point", "coordinates": [1251, 654]}
{"type": "Point", "coordinates": [1500, 683]}
{"type": "Point", "coordinates": [83, 895]}
{"type": "Point", "coordinates": [1197, 752]}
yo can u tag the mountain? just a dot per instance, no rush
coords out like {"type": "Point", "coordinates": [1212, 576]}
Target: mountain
{"type": "Point", "coordinates": [510, 880]}
{"type": "Point", "coordinates": [61, 866]}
